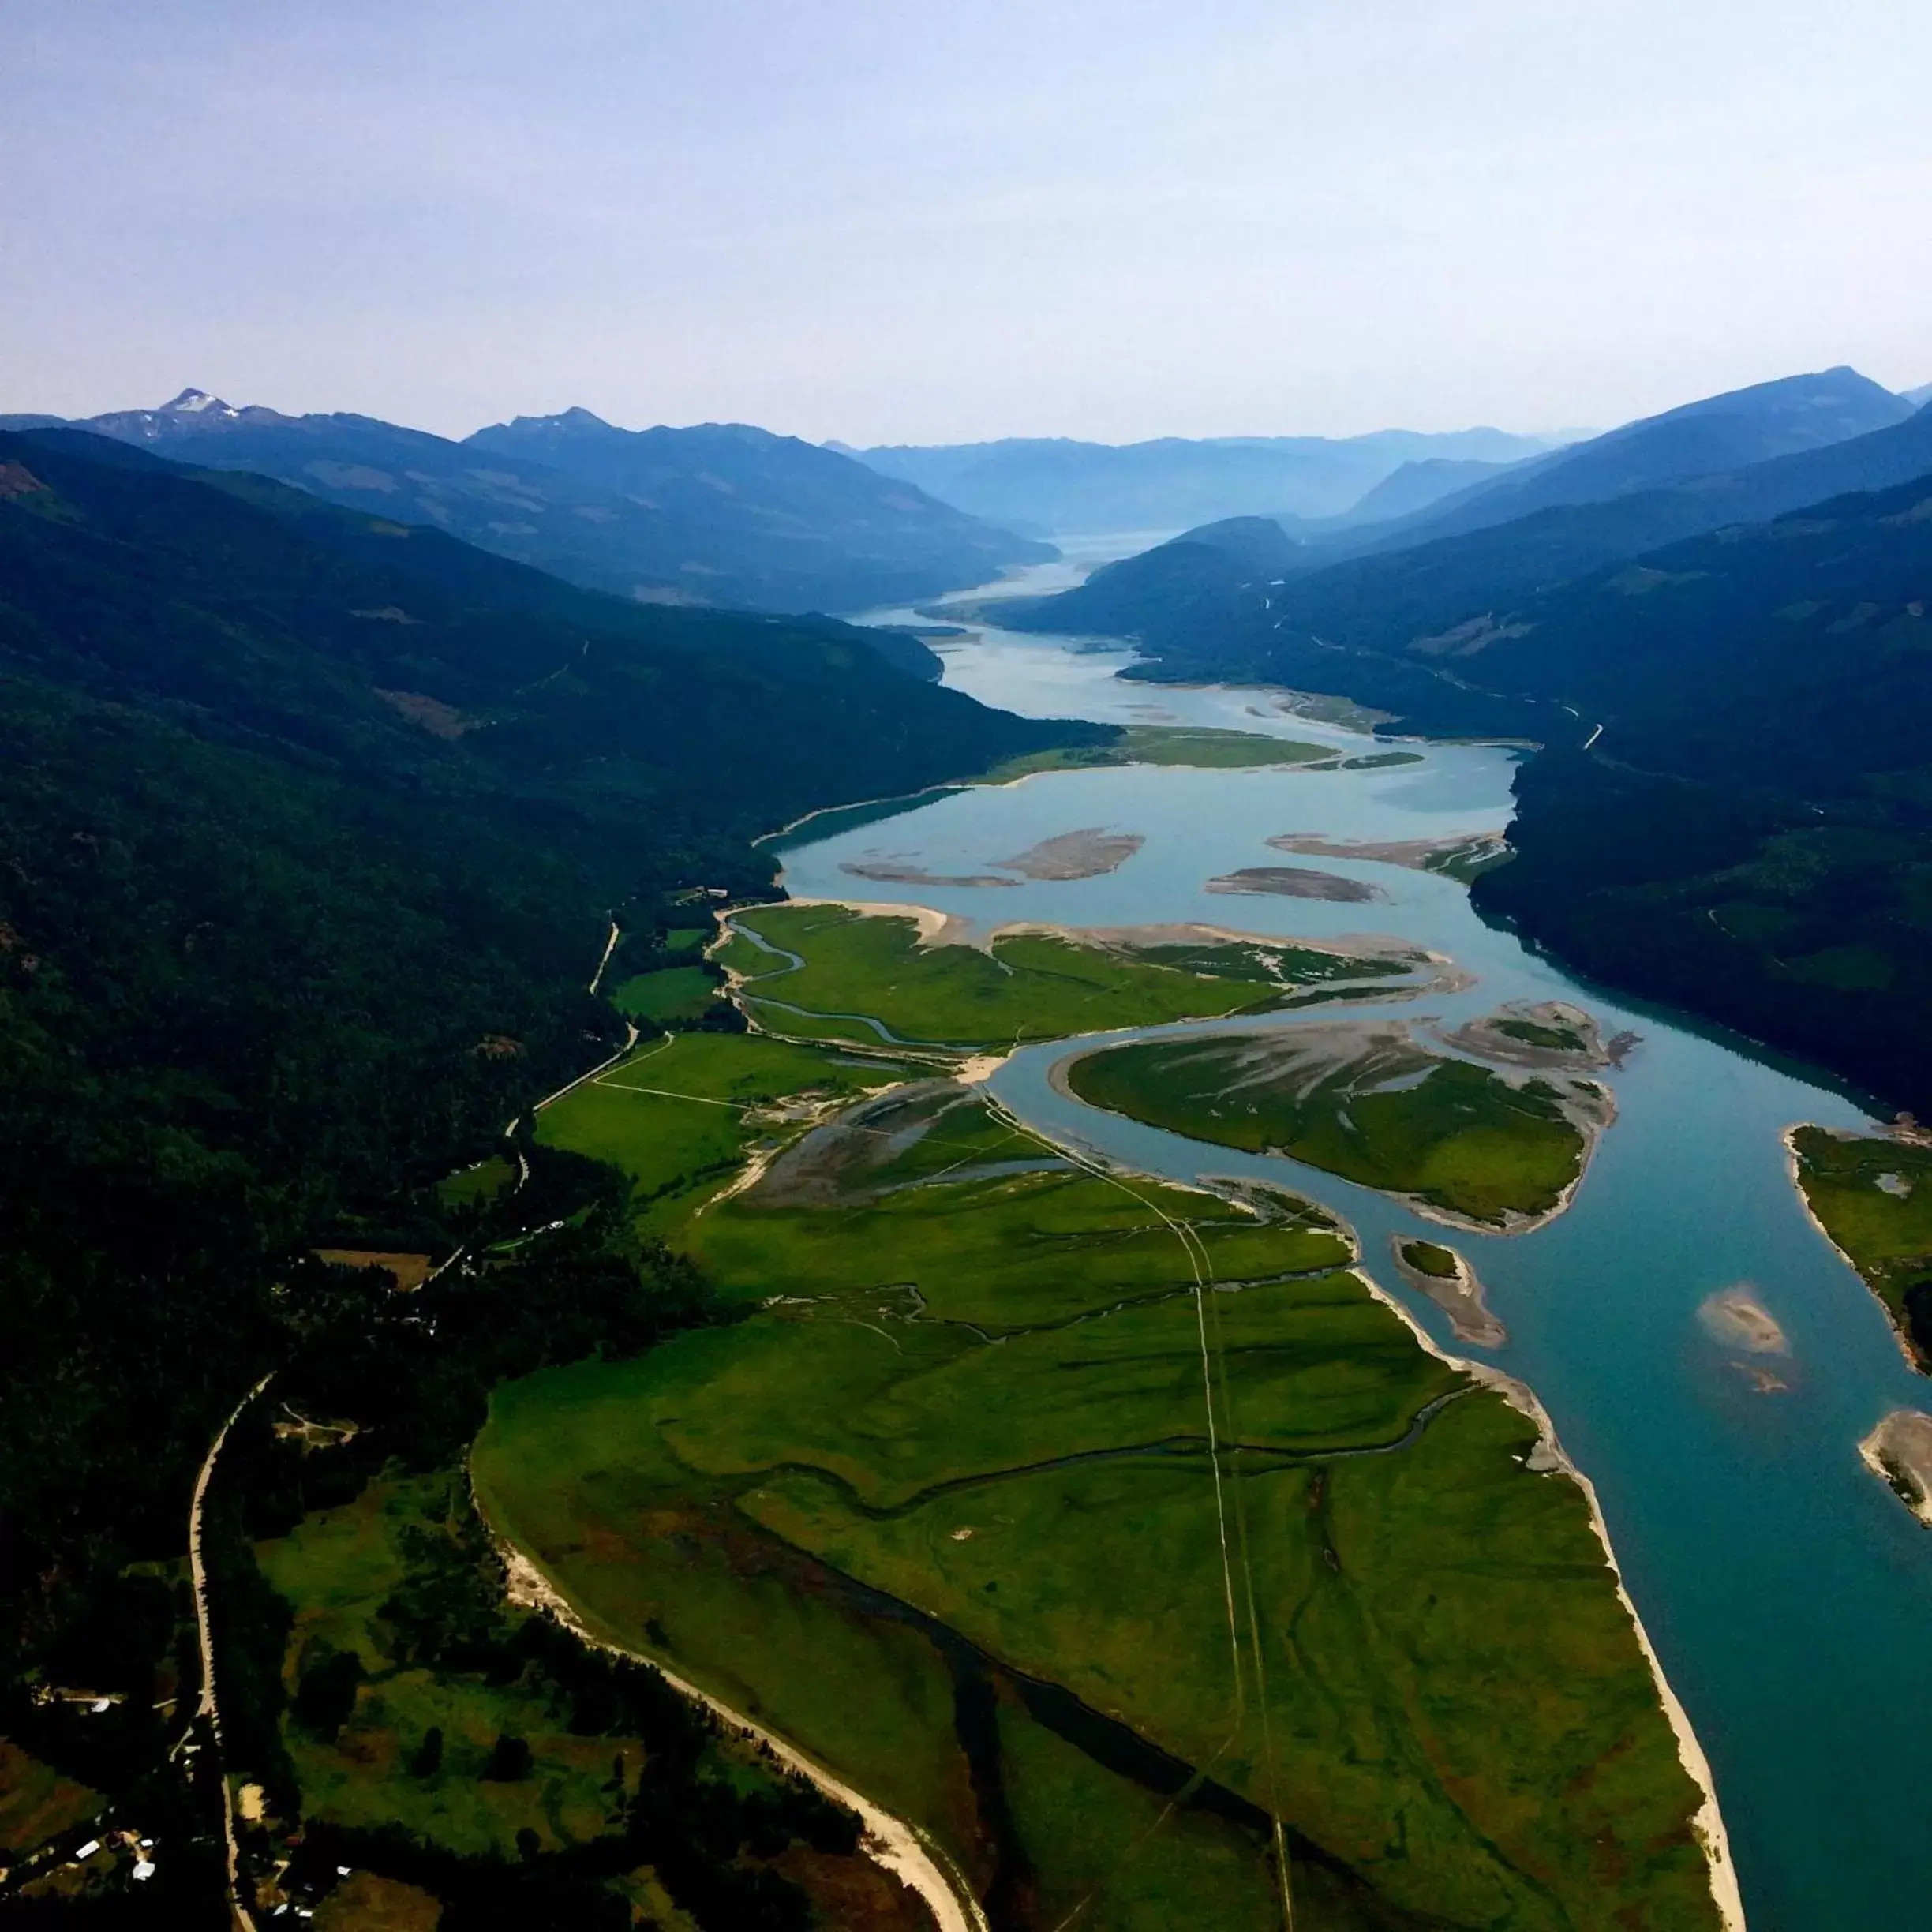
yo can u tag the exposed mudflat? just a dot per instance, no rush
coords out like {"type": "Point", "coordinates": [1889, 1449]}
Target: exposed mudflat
{"type": "Point", "coordinates": [1085, 854]}
{"type": "Point", "coordinates": [905, 872]}
{"type": "Point", "coordinates": [1296, 883]}
{"type": "Point", "coordinates": [1425, 854]}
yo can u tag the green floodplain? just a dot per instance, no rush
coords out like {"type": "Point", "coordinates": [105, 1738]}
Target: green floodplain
{"type": "Point", "coordinates": [1874, 1195]}
{"type": "Point", "coordinates": [1203, 747]}
{"type": "Point", "coordinates": [1024, 986]}
{"type": "Point", "coordinates": [1459, 1137]}
{"type": "Point", "coordinates": [1096, 1526]}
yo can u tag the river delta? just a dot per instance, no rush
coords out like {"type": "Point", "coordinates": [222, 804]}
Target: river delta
{"type": "Point", "coordinates": [1784, 1591]}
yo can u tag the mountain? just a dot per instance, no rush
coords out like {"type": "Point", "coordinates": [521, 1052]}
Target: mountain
{"type": "Point", "coordinates": [1715, 434]}
{"type": "Point", "coordinates": [1058, 484]}
{"type": "Point", "coordinates": [1214, 616]}
{"type": "Point", "coordinates": [1733, 809]}
{"type": "Point", "coordinates": [723, 514]}
{"type": "Point", "coordinates": [311, 826]}
{"type": "Point", "coordinates": [1751, 834]}
{"type": "Point", "coordinates": [1918, 398]}
{"type": "Point", "coordinates": [1416, 485]}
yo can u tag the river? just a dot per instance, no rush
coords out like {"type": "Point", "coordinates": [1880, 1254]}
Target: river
{"type": "Point", "coordinates": [1788, 1592]}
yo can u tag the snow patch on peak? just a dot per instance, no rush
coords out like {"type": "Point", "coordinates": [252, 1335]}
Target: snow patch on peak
{"type": "Point", "coordinates": [196, 402]}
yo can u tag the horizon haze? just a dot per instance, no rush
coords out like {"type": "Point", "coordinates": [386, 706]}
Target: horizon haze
{"type": "Point", "coordinates": [1115, 223]}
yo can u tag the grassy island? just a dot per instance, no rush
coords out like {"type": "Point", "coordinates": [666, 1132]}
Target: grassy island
{"type": "Point", "coordinates": [1430, 1258]}
{"type": "Point", "coordinates": [856, 968]}
{"type": "Point", "coordinates": [1363, 1102]}
{"type": "Point", "coordinates": [1873, 1194]}
{"type": "Point", "coordinates": [1094, 1526]}
{"type": "Point", "coordinates": [1203, 747]}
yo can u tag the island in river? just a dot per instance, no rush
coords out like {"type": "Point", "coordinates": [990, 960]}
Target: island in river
{"type": "Point", "coordinates": [1461, 1142]}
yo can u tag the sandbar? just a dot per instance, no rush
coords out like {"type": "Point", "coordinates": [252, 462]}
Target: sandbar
{"type": "Point", "coordinates": [1899, 1453]}
{"type": "Point", "coordinates": [903, 872]}
{"type": "Point", "coordinates": [1543, 1033]}
{"type": "Point", "coordinates": [1416, 854]}
{"type": "Point", "coordinates": [1295, 882]}
{"type": "Point", "coordinates": [1458, 1293]}
{"type": "Point", "coordinates": [1736, 1318]}
{"type": "Point", "coordinates": [1085, 854]}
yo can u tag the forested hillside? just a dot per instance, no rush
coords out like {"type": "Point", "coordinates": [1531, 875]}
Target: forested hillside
{"type": "Point", "coordinates": [1750, 833]}
{"type": "Point", "coordinates": [312, 826]}
{"type": "Point", "coordinates": [721, 514]}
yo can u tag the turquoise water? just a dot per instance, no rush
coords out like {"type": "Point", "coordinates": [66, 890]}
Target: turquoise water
{"type": "Point", "coordinates": [1788, 1592]}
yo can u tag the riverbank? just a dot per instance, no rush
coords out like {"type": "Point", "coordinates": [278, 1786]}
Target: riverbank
{"type": "Point", "coordinates": [888, 1841]}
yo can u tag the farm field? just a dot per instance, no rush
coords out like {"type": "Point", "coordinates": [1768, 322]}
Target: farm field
{"type": "Point", "coordinates": [1033, 1500]}
{"type": "Point", "coordinates": [670, 992]}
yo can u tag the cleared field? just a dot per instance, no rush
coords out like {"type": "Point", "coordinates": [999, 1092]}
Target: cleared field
{"type": "Point", "coordinates": [1093, 1571]}
{"type": "Point", "coordinates": [341, 1570]}
{"type": "Point", "coordinates": [38, 1802]}
{"type": "Point", "coordinates": [1874, 1196]}
{"type": "Point", "coordinates": [1026, 987]}
{"type": "Point", "coordinates": [671, 993]}
{"type": "Point", "coordinates": [1373, 1109]}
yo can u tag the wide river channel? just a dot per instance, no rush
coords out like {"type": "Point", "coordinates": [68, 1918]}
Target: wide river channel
{"type": "Point", "coordinates": [1788, 1594]}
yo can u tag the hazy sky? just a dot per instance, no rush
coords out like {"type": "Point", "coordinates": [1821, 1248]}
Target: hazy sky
{"type": "Point", "coordinates": [929, 220]}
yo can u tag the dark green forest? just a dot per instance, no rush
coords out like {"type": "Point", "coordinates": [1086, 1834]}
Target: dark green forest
{"type": "Point", "coordinates": [312, 827]}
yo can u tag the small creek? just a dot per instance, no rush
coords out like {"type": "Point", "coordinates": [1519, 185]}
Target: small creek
{"type": "Point", "coordinates": [1788, 1594]}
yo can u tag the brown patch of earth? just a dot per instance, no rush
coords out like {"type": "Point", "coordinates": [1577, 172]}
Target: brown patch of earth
{"type": "Point", "coordinates": [438, 719]}
{"type": "Point", "coordinates": [854, 1893]}
{"type": "Point", "coordinates": [411, 1271]}
{"type": "Point", "coordinates": [364, 1903]}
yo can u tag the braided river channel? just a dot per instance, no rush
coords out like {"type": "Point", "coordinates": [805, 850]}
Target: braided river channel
{"type": "Point", "coordinates": [1787, 1591]}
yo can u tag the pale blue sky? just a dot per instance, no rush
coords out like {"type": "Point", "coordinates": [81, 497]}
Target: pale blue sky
{"type": "Point", "coordinates": [928, 220]}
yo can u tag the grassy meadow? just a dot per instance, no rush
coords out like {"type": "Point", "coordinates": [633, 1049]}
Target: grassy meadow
{"type": "Point", "coordinates": [1025, 987]}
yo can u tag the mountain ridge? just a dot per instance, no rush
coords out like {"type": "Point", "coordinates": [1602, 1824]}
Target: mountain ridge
{"type": "Point", "coordinates": [741, 518]}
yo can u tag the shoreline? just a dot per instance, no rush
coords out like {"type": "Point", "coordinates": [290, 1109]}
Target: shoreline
{"type": "Point", "coordinates": [891, 1843]}
{"type": "Point", "coordinates": [1804, 1200]}
{"type": "Point", "coordinates": [1707, 1824]}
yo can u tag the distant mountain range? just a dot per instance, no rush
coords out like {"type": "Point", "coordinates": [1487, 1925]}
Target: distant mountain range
{"type": "Point", "coordinates": [1055, 485]}
{"type": "Point", "coordinates": [722, 514]}
{"type": "Point", "coordinates": [1728, 669]}
{"type": "Point", "coordinates": [1716, 434]}
{"type": "Point", "coordinates": [1205, 608]}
